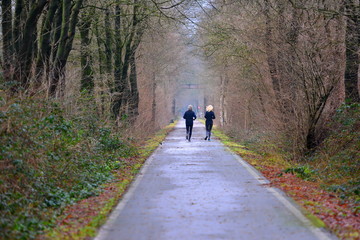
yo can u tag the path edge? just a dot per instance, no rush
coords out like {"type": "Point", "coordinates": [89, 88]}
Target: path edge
{"type": "Point", "coordinates": [103, 230]}
{"type": "Point", "coordinates": [298, 211]}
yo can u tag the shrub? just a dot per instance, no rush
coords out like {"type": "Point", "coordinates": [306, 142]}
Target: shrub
{"type": "Point", "coordinates": [50, 159]}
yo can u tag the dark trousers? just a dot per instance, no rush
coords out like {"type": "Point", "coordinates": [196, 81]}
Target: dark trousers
{"type": "Point", "coordinates": [189, 130]}
{"type": "Point", "coordinates": [208, 129]}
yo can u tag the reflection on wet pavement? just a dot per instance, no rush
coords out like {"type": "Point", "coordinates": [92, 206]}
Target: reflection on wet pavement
{"type": "Point", "coordinates": [198, 190]}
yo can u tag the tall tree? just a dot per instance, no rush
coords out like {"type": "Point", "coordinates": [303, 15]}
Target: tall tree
{"type": "Point", "coordinates": [24, 39]}
{"type": "Point", "coordinates": [87, 79]}
{"type": "Point", "coordinates": [119, 85]}
{"type": "Point", "coordinates": [69, 18]}
{"type": "Point", "coordinates": [126, 95]}
{"type": "Point", "coordinates": [108, 43]}
{"type": "Point", "coordinates": [352, 42]}
{"type": "Point", "coordinates": [271, 59]}
{"type": "Point", "coordinates": [6, 24]}
{"type": "Point", "coordinates": [45, 44]}
{"type": "Point", "coordinates": [138, 33]}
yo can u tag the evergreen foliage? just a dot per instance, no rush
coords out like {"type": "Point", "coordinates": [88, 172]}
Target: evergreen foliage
{"type": "Point", "coordinates": [50, 159]}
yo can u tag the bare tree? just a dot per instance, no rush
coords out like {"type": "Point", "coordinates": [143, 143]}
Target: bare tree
{"type": "Point", "coordinates": [352, 12]}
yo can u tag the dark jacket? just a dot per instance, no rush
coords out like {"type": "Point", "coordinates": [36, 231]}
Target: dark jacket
{"type": "Point", "coordinates": [189, 116]}
{"type": "Point", "coordinates": [209, 116]}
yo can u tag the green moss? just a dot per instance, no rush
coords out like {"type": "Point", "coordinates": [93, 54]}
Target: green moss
{"type": "Point", "coordinates": [265, 157]}
{"type": "Point", "coordinates": [315, 220]}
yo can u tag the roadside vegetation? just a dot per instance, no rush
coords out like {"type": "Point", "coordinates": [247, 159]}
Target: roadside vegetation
{"type": "Point", "coordinates": [51, 159]}
{"type": "Point", "coordinates": [83, 219]}
{"type": "Point", "coordinates": [326, 181]}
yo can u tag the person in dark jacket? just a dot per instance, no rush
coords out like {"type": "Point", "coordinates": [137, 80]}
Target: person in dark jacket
{"type": "Point", "coordinates": [189, 116]}
{"type": "Point", "coordinates": [209, 116]}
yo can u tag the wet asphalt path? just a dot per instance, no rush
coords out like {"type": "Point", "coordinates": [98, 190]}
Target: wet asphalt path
{"type": "Point", "coordinates": [199, 190]}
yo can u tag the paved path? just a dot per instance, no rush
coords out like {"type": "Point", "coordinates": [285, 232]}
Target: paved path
{"type": "Point", "coordinates": [200, 190]}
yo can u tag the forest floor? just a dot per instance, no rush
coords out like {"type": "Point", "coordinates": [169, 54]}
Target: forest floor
{"type": "Point", "coordinates": [340, 215]}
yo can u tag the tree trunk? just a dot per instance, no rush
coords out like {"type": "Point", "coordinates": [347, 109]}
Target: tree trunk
{"type": "Point", "coordinates": [153, 105]}
{"type": "Point", "coordinates": [119, 86]}
{"type": "Point", "coordinates": [108, 42]}
{"type": "Point", "coordinates": [43, 57]}
{"type": "Point", "coordinates": [124, 83]}
{"type": "Point", "coordinates": [292, 41]}
{"type": "Point", "coordinates": [68, 26]}
{"type": "Point", "coordinates": [352, 42]}
{"type": "Point", "coordinates": [134, 91]}
{"type": "Point", "coordinates": [25, 33]}
{"type": "Point", "coordinates": [137, 35]}
{"type": "Point", "coordinates": [223, 92]}
{"type": "Point", "coordinates": [60, 62]}
{"type": "Point", "coordinates": [173, 110]}
{"type": "Point", "coordinates": [56, 34]}
{"type": "Point", "coordinates": [102, 66]}
{"type": "Point", "coordinates": [6, 24]}
{"type": "Point", "coordinates": [17, 28]}
{"type": "Point", "coordinates": [87, 79]}
{"type": "Point", "coordinates": [100, 50]}
{"type": "Point", "coordinates": [274, 74]}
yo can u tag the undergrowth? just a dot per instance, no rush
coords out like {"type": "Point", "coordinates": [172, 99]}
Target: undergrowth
{"type": "Point", "coordinates": [50, 159]}
{"type": "Point", "coordinates": [257, 153]}
{"type": "Point", "coordinates": [335, 163]}
{"type": "Point", "coordinates": [337, 159]}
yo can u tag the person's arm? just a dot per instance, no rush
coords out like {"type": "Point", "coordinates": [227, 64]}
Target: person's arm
{"type": "Point", "coordinates": [184, 116]}
{"type": "Point", "coordinates": [213, 115]}
{"type": "Point", "coordinates": [194, 116]}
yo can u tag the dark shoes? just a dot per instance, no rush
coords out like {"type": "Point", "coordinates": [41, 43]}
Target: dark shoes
{"type": "Point", "coordinates": [206, 138]}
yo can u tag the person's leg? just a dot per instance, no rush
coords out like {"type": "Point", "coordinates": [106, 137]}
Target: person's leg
{"type": "Point", "coordinates": [190, 131]}
{"type": "Point", "coordinates": [207, 131]}
{"type": "Point", "coordinates": [187, 131]}
{"type": "Point", "coordinates": [210, 127]}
